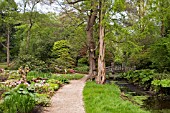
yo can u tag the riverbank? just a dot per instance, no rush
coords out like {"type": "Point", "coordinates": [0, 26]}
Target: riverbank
{"type": "Point", "coordinates": [144, 98]}
{"type": "Point", "coordinates": [107, 99]}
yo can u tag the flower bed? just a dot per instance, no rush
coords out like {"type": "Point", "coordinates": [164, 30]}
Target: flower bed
{"type": "Point", "coordinates": [22, 95]}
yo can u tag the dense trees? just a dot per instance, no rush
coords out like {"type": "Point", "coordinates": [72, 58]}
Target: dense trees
{"type": "Point", "coordinates": [8, 13]}
{"type": "Point", "coordinates": [133, 32]}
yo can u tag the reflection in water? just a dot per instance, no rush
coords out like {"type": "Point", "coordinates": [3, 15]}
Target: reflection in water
{"type": "Point", "coordinates": [157, 103]}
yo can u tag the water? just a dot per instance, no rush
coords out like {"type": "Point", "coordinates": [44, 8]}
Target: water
{"type": "Point", "coordinates": [153, 103]}
{"type": "Point", "coordinates": [158, 104]}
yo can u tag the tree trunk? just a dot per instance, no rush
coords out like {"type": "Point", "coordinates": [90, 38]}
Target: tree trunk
{"type": "Point", "coordinates": [7, 47]}
{"type": "Point", "coordinates": [28, 36]}
{"type": "Point", "coordinates": [101, 59]}
{"type": "Point", "coordinates": [162, 28]}
{"type": "Point", "coordinates": [91, 43]}
{"type": "Point", "coordinates": [100, 79]}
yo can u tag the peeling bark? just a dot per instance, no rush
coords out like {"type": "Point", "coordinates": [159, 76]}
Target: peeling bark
{"type": "Point", "coordinates": [101, 77]}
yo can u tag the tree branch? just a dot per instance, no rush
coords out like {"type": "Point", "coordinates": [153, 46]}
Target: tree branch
{"type": "Point", "coordinates": [65, 10]}
{"type": "Point", "coordinates": [3, 45]}
{"type": "Point", "coordinates": [75, 1]}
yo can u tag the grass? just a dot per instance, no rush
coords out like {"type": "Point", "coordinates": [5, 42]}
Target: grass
{"type": "Point", "coordinates": [36, 74]}
{"type": "Point", "coordinates": [64, 78]}
{"type": "Point", "coordinates": [3, 65]}
{"type": "Point", "coordinates": [106, 99]}
{"type": "Point", "coordinates": [71, 76]}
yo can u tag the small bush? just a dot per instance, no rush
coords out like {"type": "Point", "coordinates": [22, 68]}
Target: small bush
{"type": "Point", "coordinates": [32, 62]}
{"type": "Point", "coordinates": [82, 61]}
{"type": "Point", "coordinates": [82, 69]}
{"type": "Point", "coordinates": [42, 99]}
{"type": "Point", "coordinates": [142, 77]}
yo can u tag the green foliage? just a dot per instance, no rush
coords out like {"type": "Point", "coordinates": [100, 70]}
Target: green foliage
{"type": "Point", "coordinates": [139, 99]}
{"type": "Point", "coordinates": [143, 77]}
{"type": "Point", "coordinates": [158, 82]}
{"type": "Point", "coordinates": [82, 69]}
{"type": "Point", "coordinates": [82, 61]}
{"type": "Point", "coordinates": [32, 62]}
{"type": "Point", "coordinates": [60, 47]}
{"type": "Point", "coordinates": [61, 51]}
{"type": "Point", "coordinates": [4, 76]}
{"type": "Point", "coordinates": [160, 54]}
{"type": "Point", "coordinates": [119, 5]}
{"type": "Point", "coordinates": [42, 99]}
{"type": "Point", "coordinates": [82, 65]}
{"type": "Point", "coordinates": [61, 78]}
{"type": "Point", "coordinates": [69, 76]}
{"type": "Point", "coordinates": [18, 100]}
{"type": "Point", "coordinates": [162, 83]}
{"type": "Point", "coordinates": [14, 75]}
{"type": "Point", "coordinates": [53, 86]}
{"type": "Point", "coordinates": [106, 99]}
{"type": "Point", "coordinates": [37, 74]}
{"type": "Point", "coordinates": [39, 44]}
{"type": "Point", "coordinates": [161, 86]}
{"type": "Point", "coordinates": [3, 65]}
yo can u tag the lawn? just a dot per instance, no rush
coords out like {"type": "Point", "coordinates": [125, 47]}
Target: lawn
{"type": "Point", "coordinates": [106, 99]}
{"type": "Point", "coordinates": [3, 65]}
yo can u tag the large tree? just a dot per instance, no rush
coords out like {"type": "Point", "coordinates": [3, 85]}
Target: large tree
{"type": "Point", "coordinates": [8, 12]}
{"type": "Point", "coordinates": [90, 9]}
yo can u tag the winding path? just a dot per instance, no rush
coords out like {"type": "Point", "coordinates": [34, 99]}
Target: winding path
{"type": "Point", "coordinates": [68, 99]}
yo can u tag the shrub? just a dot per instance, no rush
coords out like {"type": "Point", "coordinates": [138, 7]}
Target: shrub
{"type": "Point", "coordinates": [60, 78]}
{"type": "Point", "coordinates": [14, 75]}
{"type": "Point", "coordinates": [61, 52]}
{"type": "Point", "coordinates": [32, 62]}
{"type": "Point", "coordinates": [82, 69]}
{"type": "Point", "coordinates": [160, 54]}
{"type": "Point", "coordinates": [143, 77]}
{"type": "Point", "coordinates": [3, 88]}
{"type": "Point", "coordinates": [82, 61]}
{"type": "Point", "coordinates": [42, 99]}
{"type": "Point", "coordinates": [161, 86]}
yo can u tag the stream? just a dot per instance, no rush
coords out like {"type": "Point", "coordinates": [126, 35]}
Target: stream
{"type": "Point", "coordinates": [153, 103]}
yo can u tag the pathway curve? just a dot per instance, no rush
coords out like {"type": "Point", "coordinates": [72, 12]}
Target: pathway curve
{"type": "Point", "coordinates": [68, 99]}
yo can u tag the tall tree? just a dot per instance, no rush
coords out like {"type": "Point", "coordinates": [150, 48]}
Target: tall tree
{"type": "Point", "coordinates": [90, 38]}
{"type": "Point", "coordinates": [100, 79]}
{"type": "Point", "coordinates": [8, 14]}
{"type": "Point", "coordinates": [91, 9]}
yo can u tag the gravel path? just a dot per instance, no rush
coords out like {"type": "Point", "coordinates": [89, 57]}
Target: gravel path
{"type": "Point", "coordinates": [68, 99]}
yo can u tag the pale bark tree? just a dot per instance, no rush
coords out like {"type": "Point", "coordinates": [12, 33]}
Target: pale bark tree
{"type": "Point", "coordinates": [101, 77]}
